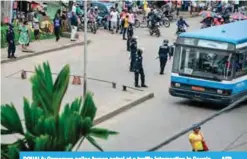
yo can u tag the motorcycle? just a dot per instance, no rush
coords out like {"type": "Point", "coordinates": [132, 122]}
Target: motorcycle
{"type": "Point", "coordinates": [155, 30]}
{"type": "Point", "coordinates": [93, 26]}
{"type": "Point", "coordinates": [204, 25]}
{"type": "Point", "coordinates": [169, 15]}
{"type": "Point", "coordinates": [165, 21]}
{"type": "Point", "coordinates": [81, 25]}
{"type": "Point", "coordinates": [180, 30]}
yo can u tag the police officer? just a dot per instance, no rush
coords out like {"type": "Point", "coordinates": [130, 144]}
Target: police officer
{"type": "Point", "coordinates": [130, 34]}
{"type": "Point", "coordinates": [133, 50]}
{"type": "Point", "coordinates": [139, 69]}
{"type": "Point", "coordinates": [164, 53]}
{"type": "Point", "coordinates": [10, 38]}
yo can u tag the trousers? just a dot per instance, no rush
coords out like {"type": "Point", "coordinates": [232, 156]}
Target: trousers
{"type": "Point", "coordinates": [57, 33]}
{"type": "Point", "coordinates": [132, 62]}
{"type": "Point", "coordinates": [11, 49]}
{"type": "Point", "coordinates": [162, 64]}
{"type": "Point", "coordinates": [73, 32]}
{"type": "Point", "coordinates": [141, 73]}
{"type": "Point", "coordinates": [128, 44]}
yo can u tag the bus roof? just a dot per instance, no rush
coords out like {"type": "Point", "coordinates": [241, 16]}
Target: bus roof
{"type": "Point", "coordinates": [235, 33]}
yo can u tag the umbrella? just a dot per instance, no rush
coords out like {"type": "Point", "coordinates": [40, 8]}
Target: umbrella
{"type": "Point", "coordinates": [207, 14]}
{"type": "Point", "coordinates": [237, 16]}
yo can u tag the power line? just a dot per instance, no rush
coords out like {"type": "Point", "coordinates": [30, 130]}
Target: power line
{"type": "Point", "coordinates": [228, 147]}
{"type": "Point", "coordinates": [176, 136]}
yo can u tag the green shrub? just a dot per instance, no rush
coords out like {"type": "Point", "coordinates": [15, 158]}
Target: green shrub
{"type": "Point", "coordinates": [46, 127]}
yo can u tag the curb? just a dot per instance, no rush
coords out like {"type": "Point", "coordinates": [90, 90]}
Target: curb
{"type": "Point", "coordinates": [123, 108]}
{"type": "Point", "coordinates": [45, 51]}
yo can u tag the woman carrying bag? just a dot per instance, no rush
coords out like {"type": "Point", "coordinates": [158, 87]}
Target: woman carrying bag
{"type": "Point", "coordinates": [197, 141]}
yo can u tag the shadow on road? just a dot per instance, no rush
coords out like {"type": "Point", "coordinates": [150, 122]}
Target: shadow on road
{"type": "Point", "coordinates": [203, 105]}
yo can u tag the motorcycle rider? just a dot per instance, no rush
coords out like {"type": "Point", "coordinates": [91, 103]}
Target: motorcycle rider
{"type": "Point", "coordinates": [208, 21]}
{"type": "Point", "coordinates": [181, 23]}
{"type": "Point", "coordinates": [164, 53]}
{"type": "Point", "coordinates": [154, 18]}
{"type": "Point", "coordinates": [133, 50]}
{"type": "Point", "coordinates": [139, 69]}
{"type": "Point", "coordinates": [91, 15]}
{"type": "Point", "coordinates": [96, 11]}
{"type": "Point", "coordinates": [150, 16]}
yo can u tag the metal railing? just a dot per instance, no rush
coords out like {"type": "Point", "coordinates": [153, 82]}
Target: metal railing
{"type": "Point", "coordinates": [114, 84]}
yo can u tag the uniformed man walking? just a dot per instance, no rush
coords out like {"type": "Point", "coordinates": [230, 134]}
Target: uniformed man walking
{"type": "Point", "coordinates": [133, 50]}
{"type": "Point", "coordinates": [139, 69]}
{"type": "Point", "coordinates": [164, 53]}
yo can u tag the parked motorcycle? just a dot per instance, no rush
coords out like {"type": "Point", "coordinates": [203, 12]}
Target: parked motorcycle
{"type": "Point", "coordinates": [155, 30]}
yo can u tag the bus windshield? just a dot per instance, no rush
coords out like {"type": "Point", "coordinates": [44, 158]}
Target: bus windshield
{"type": "Point", "coordinates": [204, 63]}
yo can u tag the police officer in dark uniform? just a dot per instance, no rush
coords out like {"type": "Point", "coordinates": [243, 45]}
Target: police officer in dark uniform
{"type": "Point", "coordinates": [164, 53]}
{"type": "Point", "coordinates": [133, 50]}
{"type": "Point", "coordinates": [10, 38]}
{"type": "Point", "coordinates": [130, 34]}
{"type": "Point", "coordinates": [139, 69]}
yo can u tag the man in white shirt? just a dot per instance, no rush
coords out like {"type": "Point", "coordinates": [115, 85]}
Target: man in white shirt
{"type": "Point", "coordinates": [114, 18]}
{"type": "Point", "coordinates": [236, 5]}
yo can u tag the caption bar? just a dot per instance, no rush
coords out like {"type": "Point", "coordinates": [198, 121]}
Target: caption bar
{"type": "Point", "coordinates": [133, 155]}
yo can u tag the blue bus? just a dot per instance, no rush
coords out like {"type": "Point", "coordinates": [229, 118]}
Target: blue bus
{"type": "Point", "coordinates": [210, 65]}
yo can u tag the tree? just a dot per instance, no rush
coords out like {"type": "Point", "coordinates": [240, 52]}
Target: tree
{"type": "Point", "coordinates": [47, 127]}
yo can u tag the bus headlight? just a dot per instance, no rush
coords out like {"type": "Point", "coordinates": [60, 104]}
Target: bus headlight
{"type": "Point", "coordinates": [219, 91]}
{"type": "Point", "coordinates": [177, 85]}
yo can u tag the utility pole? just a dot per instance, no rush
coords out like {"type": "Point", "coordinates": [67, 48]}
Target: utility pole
{"type": "Point", "coordinates": [11, 11]}
{"type": "Point", "coordinates": [85, 49]}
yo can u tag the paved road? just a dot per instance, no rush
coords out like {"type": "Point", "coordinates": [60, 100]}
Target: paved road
{"type": "Point", "coordinates": [155, 120]}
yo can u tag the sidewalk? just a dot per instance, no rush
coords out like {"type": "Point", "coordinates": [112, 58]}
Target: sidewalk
{"type": "Point", "coordinates": [109, 101]}
{"type": "Point", "coordinates": [41, 47]}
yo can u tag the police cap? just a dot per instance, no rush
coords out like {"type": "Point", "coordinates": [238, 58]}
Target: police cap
{"type": "Point", "coordinates": [165, 41]}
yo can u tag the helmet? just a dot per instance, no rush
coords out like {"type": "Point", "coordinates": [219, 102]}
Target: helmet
{"type": "Point", "coordinates": [166, 41]}
{"type": "Point", "coordinates": [139, 51]}
{"type": "Point", "coordinates": [134, 37]}
{"type": "Point", "coordinates": [95, 7]}
{"type": "Point", "coordinates": [181, 17]}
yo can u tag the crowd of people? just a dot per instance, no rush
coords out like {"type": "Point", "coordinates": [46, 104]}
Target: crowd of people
{"type": "Point", "coordinates": [222, 13]}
